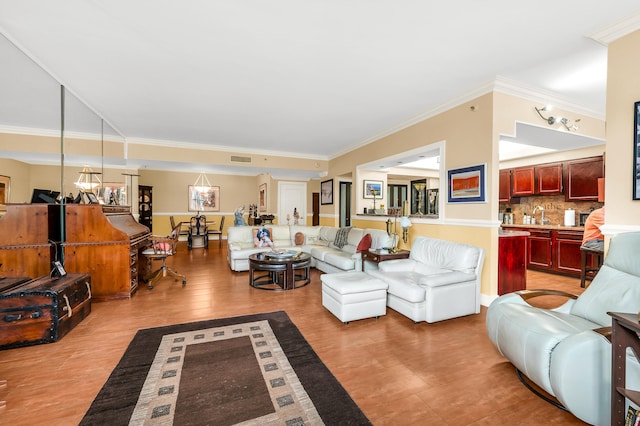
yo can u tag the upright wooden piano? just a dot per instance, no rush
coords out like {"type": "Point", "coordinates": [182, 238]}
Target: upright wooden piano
{"type": "Point", "coordinates": [104, 241]}
{"type": "Point", "coordinates": [25, 249]}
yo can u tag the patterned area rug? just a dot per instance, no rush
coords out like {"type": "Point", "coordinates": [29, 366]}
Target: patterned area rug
{"type": "Point", "coordinates": [250, 370]}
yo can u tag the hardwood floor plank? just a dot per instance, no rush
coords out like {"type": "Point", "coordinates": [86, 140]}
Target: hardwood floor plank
{"type": "Point", "coordinates": [397, 371]}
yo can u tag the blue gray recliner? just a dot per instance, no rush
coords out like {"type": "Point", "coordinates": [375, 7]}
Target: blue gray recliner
{"type": "Point", "coordinates": [564, 350]}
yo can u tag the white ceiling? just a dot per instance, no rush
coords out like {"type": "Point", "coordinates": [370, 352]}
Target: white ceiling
{"type": "Point", "coordinates": [302, 78]}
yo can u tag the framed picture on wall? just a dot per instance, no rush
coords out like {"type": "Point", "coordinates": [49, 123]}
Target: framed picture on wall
{"type": "Point", "coordinates": [326, 192]}
{"type": "Point", "coordinates": [372, 189]}
{"type": "Point", "coordinates": [467, 184]}
{"type": "Point", "coordinates": [262, 204]}
{"type": "Point", "coordinates": [203, 199]}
{"type": "Point", "coordinates": [636, 151]}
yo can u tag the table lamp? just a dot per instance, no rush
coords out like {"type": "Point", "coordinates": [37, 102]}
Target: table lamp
{"type": "Point", "coordinates": [405, 223]}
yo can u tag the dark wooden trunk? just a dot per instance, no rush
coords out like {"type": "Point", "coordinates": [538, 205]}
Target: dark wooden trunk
{"type": "Point", "coordinates": [43, 310]}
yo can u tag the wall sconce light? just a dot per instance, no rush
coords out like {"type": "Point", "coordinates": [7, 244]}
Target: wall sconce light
{"type": "Point", "coordinates": [551, 120]}
{"type": "Point", "coordinates": [85, 182]}
{"type": "Point", "coordinates": [405, 223]}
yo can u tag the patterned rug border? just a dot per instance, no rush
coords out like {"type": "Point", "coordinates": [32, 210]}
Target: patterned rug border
{"type": "Point", "coordinates": [117, 399]}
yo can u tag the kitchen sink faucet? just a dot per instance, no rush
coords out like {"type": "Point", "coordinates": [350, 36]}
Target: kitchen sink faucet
{"type": "Point", "coordinates": [543, 221]}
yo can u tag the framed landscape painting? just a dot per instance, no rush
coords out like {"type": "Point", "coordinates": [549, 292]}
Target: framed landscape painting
{"type": "Point", "coordinates": [467, 184]}
{"type": "Point", "coordinates": [372, 189]}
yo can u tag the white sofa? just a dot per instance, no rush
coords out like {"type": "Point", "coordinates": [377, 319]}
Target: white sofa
{"type": "Point", "coordinates": [440, 280]}
{"type": "Point", "coordinates": [318, 242]}
{"type": "Point", "coordinates": [564, 350]}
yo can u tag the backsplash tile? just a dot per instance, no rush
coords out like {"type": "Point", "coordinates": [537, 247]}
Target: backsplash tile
{"type": "Point", "coordinates": [554, 207]}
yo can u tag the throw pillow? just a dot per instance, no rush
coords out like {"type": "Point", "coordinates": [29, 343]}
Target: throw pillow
{"type": "Point", "coordinates": [162, 247]}
{"type": "Point", "coordinates": [341, 237]}
{"type": "Point", "coordinates": [364, 244]}
{"type": "Point", "coordinates": [262, 237]}
{"type": "Point", "coordinates": [299, 238]}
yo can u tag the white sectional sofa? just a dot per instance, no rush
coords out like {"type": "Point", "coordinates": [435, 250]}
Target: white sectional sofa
{"type": "Point", "coordinates": [319, 241]}
{"type": "Point", "coordinates": [440, 280]}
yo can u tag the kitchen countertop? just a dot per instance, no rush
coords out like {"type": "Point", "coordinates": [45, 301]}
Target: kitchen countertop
{"type": "Point", "coordinates": [549, 227]}
{"type": "Point", "coordinates": [512, 233]}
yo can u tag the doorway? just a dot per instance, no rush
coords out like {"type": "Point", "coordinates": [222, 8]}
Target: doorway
{"type": "Point", "coordinates": [315, 209]}
{"type": "Point", "coordinates": [345, 204]}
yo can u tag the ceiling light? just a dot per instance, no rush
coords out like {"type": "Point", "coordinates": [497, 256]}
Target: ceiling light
{"type": "Point", "coordinates": [200, 183]}
{"type": "Point", "coordinates": [85, 181]}
{"type": "Point", "coordinates": [551, 120]}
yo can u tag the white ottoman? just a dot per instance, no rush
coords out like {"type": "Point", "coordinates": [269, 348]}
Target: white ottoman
{"type": "Point", "coordinates": [354, 295]}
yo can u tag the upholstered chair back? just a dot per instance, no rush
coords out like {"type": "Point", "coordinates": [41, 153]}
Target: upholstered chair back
{"type": "Point", "coordinates": [435, 253]}
{"type": "Point", "coordinates": [616, 287]}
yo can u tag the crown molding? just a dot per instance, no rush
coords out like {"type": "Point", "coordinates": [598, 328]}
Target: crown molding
{"type": "Point", "coordinates": [617, 30]}
{"type": "Point", "coordinates": [501, 85]}
{"type": "Point", "coordinates": [543, 97]}
{"type": "Point", "coordinates": [223, 148]}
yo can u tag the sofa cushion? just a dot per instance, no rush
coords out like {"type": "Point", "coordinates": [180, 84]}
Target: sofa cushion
{"type": "Point", "coordinates": [402, 284]}
{"type": "Point", "coordinates": [319, 252]}
{"type": "Point", "coordinates": [328, 233]}
{"type": "Point", "coordinates": [342, 237]}
{"type": "Point", "coordinates": [340, 260]}
{"type": "Point", "coordinates": [364, 244]}
{"type": "Point", "coordinates": [262, 237]}
{"type": "Point", "coordinates": [299, 239]}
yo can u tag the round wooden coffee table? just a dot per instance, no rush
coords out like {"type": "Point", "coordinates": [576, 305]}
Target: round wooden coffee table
{"type": "Point", "coordinates": [280, 271]}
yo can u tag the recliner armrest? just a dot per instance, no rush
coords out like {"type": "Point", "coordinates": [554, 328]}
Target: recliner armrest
{"type": "Point", "coordinates": [446, 278]}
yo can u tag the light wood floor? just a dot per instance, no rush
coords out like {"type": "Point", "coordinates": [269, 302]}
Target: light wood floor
{"type": "Point", "coordinates": [398, 372]}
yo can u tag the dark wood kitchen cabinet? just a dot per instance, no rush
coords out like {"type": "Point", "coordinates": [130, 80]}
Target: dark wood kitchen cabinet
{"type": "Point", "coordinates": [523, 181]}
{"type": "Point", "coordinates": [567, 252]}
{"type": "Point", "coordinates": [512, 262]}
{"type": "Point", "coordinates": [581, 178]}
{"type": "Point", "coordinates": [539, 246]}
{"type": "Point", "coordinates": [549, 179]}
{"type": "Point", "coordinates": [553, 250]}
{"type": "Point", "coordinates": [504, 195]}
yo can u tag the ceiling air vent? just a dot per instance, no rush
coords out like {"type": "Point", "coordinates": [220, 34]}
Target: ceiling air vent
{"type": "Point", "coordinates": [239, 159]}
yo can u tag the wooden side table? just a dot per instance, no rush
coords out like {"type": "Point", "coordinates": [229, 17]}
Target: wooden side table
{"type": "Point", "coordinates": [625, 329]}
{"type": "Point", "coordinates": [377, 257]}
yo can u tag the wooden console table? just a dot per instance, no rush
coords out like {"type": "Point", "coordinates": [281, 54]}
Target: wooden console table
{"type": "Point", "coordinates": [625, 329]}
{"type": "Point", "coordinates": [377, 257]}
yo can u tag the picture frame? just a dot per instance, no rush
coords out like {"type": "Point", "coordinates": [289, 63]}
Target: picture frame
{"type": "Point", "coordinates": [203, 199]}
{"type": "Point", "coordinates": [91, 198]}
{"type": "Point", "coordinates": [467, 184]}
{"type": "Point", "coordinates": [369, 186]}
{"type": "Point", "coordinates": [636, 151]}
{"type": "Point", "coordinates": [262, 198]}
{"type": "Point", "coordinates": [326, 192]}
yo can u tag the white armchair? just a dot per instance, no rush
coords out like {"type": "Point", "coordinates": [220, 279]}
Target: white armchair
{"type": "Point", "coordinates": [440, 280]}
{"type": "Point", "coordinates": [565, 351]}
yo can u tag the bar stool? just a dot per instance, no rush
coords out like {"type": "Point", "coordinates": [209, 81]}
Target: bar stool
{"type": "Point", "coordinates": [590, 263]}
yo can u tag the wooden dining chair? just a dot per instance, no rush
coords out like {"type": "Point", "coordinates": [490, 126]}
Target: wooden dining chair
{"type": "Point", "coordinates": [183, 231]}
{"type": "Point", "coordinates": [218, 231]}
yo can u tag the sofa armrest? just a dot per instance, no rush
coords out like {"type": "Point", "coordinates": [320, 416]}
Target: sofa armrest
{"type": "Point", "coordinates": [447, 278]}
{"type": "Point", "coordinates": [397, 265]}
